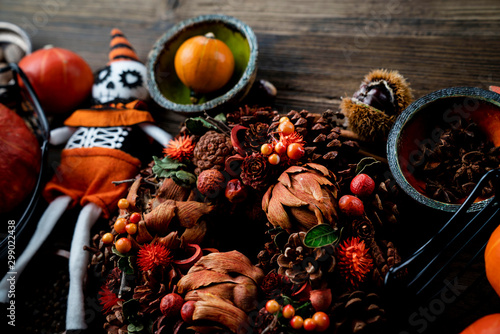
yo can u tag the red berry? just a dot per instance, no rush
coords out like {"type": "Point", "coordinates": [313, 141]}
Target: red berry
{"type": "Point", "coordinates": [362, 185]}
{"type": "Point", "coordinates": [288, 311]}
{"type": "Point", "coordinates": [309, 325]}
{"type": "Point", "coordinates": [108, 238]}
{"type": "Point", "coordinates": [123, 204]}
{"type": "Point", "coordinates": [351, 205]}
{"type": "Point", "coordinates": [266, 149]}
{"type": "Point", "coordinates": [295, 151]}
{"type": "Point", "coordinates": [274, 159]}
{"type": "Point", "coordinates": [297, 322]}
{"type": "Point", "coordinates": [322, 321]}
{"type": "Point", "coordinates": [280, 148]}
{"type": "Point", "coordinates": [187, 311]}
{"type": "Point", "coordinates": [119, 225]}
{"type": "Point", "coordinates": [135, 217]}
{"type": "Point", "coordinates": [171, 305]}
{"type": "Point", "coordinates": [272, 306]}
{"type": "Point", "coordinates": [123, 245]}
{"type": "Point", "coordinates": [236, 192]}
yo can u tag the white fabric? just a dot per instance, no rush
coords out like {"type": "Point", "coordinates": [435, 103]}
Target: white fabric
{"type": "Point", "coordinates": [47, 222]}
{"type": "Point", "coordinates": [61, 135]}
{"type": "Point", "coordinates": [158, 134]}
{"type": "Point", "coordinates": [108, 137]}
{"type": "Point", "coordinates": [78, 261]}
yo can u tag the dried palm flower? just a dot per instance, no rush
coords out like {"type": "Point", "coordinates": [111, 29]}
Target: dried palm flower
{"type": "Point", "coordinates": [108, 299]}
{"type": "Point", "coordinates": [180, 149]}
{"type": "Point", "coordinates": [354, 261]}
{"type": "Point", "coordinates": [151, 256]}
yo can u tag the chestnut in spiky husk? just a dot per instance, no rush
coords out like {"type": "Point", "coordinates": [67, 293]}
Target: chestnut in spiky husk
{"type": "Point", "coordinates": [372, 110]}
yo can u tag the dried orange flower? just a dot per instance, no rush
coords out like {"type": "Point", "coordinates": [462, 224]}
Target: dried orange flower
{"type": "Point", "coordinates": [180, 149]}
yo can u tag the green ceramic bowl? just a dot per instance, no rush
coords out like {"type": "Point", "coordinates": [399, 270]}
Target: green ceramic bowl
{"type": "Point", "coordinates": [415, 126]}
{"type": "Point", "coordinates": [170, 93]}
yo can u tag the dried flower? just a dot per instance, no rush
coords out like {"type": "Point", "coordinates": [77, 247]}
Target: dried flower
{"type": "Point", "coordinates": [354, 261]}
{"type": "Point", "coordinates": [180, 149]}
{"type": "Point", "coordinates": [151, 256]}
{"type": "Point", "coordinates": [271, 283]}
{"type": "Point", "coordinates": [303, 197]}
{"type": "Point", "coordinates": [108, 299]}
{"type": "Point", "coordinates": [255, 171]}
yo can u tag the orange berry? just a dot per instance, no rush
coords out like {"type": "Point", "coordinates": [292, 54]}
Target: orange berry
{"type": "Point", "coordinates": [123, 245]}
{"type": "Point", "coordinates": [322, 321]}
{"type": "Point", "coordinates": [266, 149]}
{"type": "Point", "coordinates": [108, 238]}
{"type": "Point", "coordinates": [119, 225]}
{"type": "Point", "coordinates": [272, 306]}
{"type": "Point", "coordinates": [280, 148]}
{"type": "Point", "coordinates": [123, 204]}
{"type": "Point", "coordinates": [288, 311]}
{"type": "Point", "coordinates": [131, 228]}
{"type": "Point", "coordinates": [286, 128]}
{"type": "Point", "coordinates": [284, 119]}
{"type": "Point", "coordinates": [274, 159]}
{"type": "Point", "coordinates": [295, 151]}
{"type": "Point", "coordinates": [297, 322]}
{"type": "Point", "coordinates": [309, 325]}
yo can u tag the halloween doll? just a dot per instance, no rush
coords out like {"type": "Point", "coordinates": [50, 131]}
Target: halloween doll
{"type": "Point", "coordinates": [103, 145]}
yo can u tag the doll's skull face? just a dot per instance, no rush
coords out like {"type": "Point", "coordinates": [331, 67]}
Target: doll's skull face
{"type": "Point", "coordinates": [122, 79]}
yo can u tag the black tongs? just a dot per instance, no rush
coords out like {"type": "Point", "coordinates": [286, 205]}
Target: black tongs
{"type": "Point", "coordinates": [451, 253]}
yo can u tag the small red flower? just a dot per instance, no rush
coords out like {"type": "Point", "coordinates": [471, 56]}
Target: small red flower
{"type": "Point", "coordinates": [180, 149]}
{"type": "Point", "coordinates": [354, 261]}
{"type": "Point", "coordinates": [108, 299]}
{"type": "Point", "coordinates": [151, 256]}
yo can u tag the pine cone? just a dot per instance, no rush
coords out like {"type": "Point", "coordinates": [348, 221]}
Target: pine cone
{"type": "Point", "coordinates": [255, 171]}
{"type": "Point", "coordinates": [325, 146]}
{"type": "Point", "coordinates": [382, 209]}
{"type": "Point", "coordinates": [301, 263]}
{"type": "Point", "coordinates": [255, 136]}
{"type": "Point", "coordinates": [211, 151]}
{"type": "Point", "coordinates": [268, 257]}
{"type": "Point", "coordinates": [150, 293]}
{"type": "Point", "coordinates": [102, 261]}
{"type": "Point", "coordinates": [385, 256]}
{"type": "Point", "coordinates": [251, 115]}
{"type": "Point", "coordinates": [358, 312]}
{"type": "Point", "coordinates": [115, 322]}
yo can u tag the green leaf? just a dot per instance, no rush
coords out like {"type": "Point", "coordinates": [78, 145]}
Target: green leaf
{"type": "Point", "coordinates": [130, 310]}
{"type": "Point", "coordinates": [131, 328]}
{"type": "Point", "coordinates": [125, 265]}
{"type": "Point", "coordinates": [183, 178]}
{"type": "Point", "coordinates": [198, 125]}
{"type": "Point", "coordinates": [221, 118]}
{"type": "Point", "coordinates": [321, 235]}
{"type": "Point", "coordinates": [165, 166]}
{"type": "Point", "coordinates": [116, 252]}
{"type": "Point", "coordinates": [368, 166]}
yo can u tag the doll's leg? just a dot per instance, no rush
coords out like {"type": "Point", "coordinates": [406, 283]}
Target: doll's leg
{"type": "Point", "coordinates": [47, 222]}
{"type": "Point", "coordinates": [78, 261]}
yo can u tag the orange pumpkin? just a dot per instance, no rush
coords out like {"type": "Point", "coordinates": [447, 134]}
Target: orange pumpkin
{"type": "Point", "coordinates": [492, 260]}
{"type": "Point", "coordinates": [489, 324]}
{"type": "Point", "coordinates": [204, 63]}
{"type": "Point", "coordinates": [20, 157]}
{"type": "Point", "coordinates": [61, 78]}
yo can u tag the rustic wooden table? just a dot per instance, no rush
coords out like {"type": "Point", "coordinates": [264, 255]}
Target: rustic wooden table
{"type": "Point", "coordinates": [314, 52]}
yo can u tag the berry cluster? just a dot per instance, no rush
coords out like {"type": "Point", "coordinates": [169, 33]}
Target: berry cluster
{"type": "Point", "coordinates": [319, 322]}
{"type": "Point", "coordinates": [361, 186]}
{"type": "Point", "coordinates": [289, 144]}
{"type": "Point", "coordinates": [123, 225]}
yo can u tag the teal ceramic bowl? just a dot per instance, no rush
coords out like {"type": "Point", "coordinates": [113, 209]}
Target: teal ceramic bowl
{"type": "Point", "coordinates": [416, 124]}
{"type": "Point", "coordinates": [166, 88]}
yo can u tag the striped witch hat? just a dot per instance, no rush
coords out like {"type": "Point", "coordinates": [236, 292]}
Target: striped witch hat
{"type": "Point", "coordinates": [120, 48]}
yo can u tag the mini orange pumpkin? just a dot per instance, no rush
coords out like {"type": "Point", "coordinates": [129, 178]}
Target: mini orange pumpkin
{"type": "Point", "coordinates": [204, 63]}
{"type": "Point", "coordinates": [489, 324]}
{"type": "Point", "coordinates": [492, 260]}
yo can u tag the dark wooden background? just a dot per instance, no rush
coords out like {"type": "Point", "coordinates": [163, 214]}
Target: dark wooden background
{"type": "Point", "coordinates": [314, 52]}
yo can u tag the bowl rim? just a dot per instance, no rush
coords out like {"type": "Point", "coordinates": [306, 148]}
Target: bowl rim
{"type": "Point", "coordinates": [247, 75]}
{"type": "Point", "coordinates": [406, 116]}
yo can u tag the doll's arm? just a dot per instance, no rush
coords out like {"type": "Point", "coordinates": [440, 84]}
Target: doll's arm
{"type": "Point", "coordinates": [61, 135]}
{"type": "Point", "coordinates": [158, 134]}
